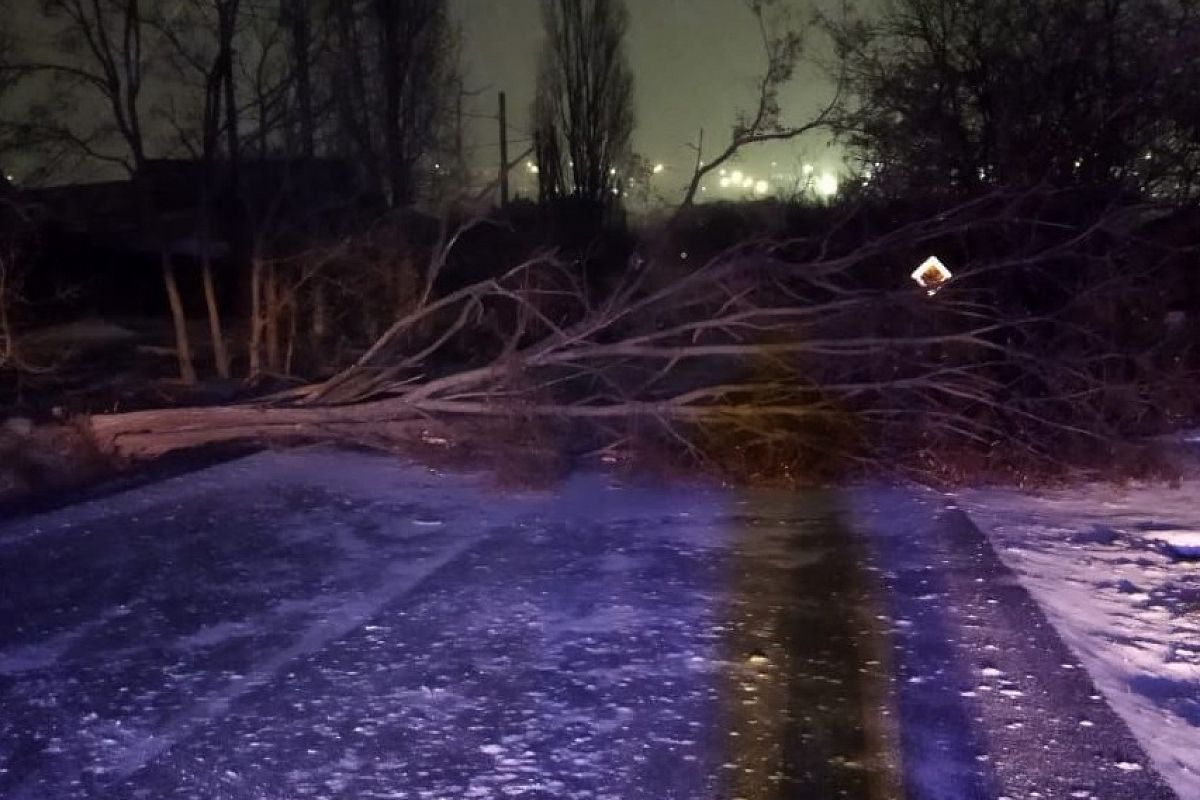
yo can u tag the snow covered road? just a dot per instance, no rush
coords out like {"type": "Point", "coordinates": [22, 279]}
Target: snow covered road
{"type": "Point", "coordinates": [337, 625]}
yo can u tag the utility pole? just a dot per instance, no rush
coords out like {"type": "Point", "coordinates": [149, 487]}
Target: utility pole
{"type": "Point", "coordinates": [503, 151]}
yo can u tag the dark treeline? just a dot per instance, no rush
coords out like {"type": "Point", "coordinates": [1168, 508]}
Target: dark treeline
{"type": "Point", "coordinates": [122, 82]}
{"type": "Point", "coordinates": [959, 95]}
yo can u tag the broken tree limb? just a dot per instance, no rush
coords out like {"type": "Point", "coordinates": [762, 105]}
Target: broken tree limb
{"type": "Point", "coordinates": [785, 350]}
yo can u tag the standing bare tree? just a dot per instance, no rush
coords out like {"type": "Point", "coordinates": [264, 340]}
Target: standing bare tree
{"type": "Point", "coordinates": [103, 57]}
{"type": "Point", "coordinates": [585, 94]}
{"type": "Point", "coordinates": [99, 56]}
{"type": "Point", "coordinates": [547, 152]}
{"type": "Point", "coordinates": [297, 19]}
{"type": "Point", "coordinates": [393, 61]}
{"type": "Point", "coordinates": [201, 33]}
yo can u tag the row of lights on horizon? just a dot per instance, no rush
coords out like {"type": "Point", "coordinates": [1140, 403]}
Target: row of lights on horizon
{"type": "Point", "coordinates": [824, 185]}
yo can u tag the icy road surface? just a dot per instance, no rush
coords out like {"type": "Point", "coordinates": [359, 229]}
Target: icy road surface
{"type": "Point", "coordinates": [336, 625]}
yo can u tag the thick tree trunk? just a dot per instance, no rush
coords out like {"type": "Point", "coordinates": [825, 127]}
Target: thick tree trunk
{"type": "Point", "coordinates": [149, 434]}
{"type": "Point", "coordinates": [301, 49]}
{"type": "Point", "coordinates": [183, 348]}
{"type": "Point", "coordinates": [220, 354]}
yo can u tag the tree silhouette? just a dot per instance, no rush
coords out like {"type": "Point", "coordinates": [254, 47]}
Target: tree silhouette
{"type": "Point", "coordinates": [585, 95]}
{"type": "Point", "coordinates": [959, 94]}
{"type": "Point", "coordinates": [394, 60]}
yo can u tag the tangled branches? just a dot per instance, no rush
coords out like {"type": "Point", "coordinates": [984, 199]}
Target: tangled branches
{"type": "Point", "coordinates": [784, 356]}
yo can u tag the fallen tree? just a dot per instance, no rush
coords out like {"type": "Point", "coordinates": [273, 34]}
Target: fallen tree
{"type": "Point", "coordinates": [775, 358]}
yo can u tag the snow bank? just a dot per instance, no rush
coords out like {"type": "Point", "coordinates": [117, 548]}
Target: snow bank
{"type": "Point", "coordinates": [1114, 571]}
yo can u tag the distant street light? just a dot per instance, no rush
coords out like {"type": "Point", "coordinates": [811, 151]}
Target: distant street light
{"type": "Point", "coordinates": [658, 168]}
{"type": "Point", "coordinates": [827, 185]}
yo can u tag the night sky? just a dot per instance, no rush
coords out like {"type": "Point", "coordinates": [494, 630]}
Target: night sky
{"type": "Point", "coordinates": [694, 64]}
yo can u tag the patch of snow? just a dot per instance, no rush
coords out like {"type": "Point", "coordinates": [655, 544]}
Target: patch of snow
{"type": "Point", "coordinates": [1109, 568]}
{"type": "Point", "coordinates": [18, 426]}
{"type": "Point", "coordinates": [1183, 543]}
{"type": "Point", "coordinates": [85, 331]}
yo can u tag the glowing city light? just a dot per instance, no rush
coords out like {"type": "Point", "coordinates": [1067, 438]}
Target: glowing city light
{"type": "Point", "coordinates": [737, 177]}
{"type": "Point", "coordinates": [808, 169]}
{"type": "Point", "coordinates": [724, 182]}
{"type": "Point", "coordinates": [827, 185]}
{"type": "Point", "coordinates": [762, 187]}
{"type": "Point", "coordinates": [658, 168]}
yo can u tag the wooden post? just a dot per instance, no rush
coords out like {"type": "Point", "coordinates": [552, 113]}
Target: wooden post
{"type": "Point", "coordinates": [503, 151]}
{"type": "Point", "coordinates": [187, 372]}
